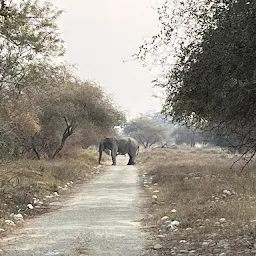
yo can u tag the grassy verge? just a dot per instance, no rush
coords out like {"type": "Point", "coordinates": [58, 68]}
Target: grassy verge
{"type": "Point", "coordinates": [27, 186]}
{"type": "Point", "coordinates": [197, 205]}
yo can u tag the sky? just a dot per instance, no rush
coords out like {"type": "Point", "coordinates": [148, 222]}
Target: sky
{"type": "Point", "coordinates": [100, 38]}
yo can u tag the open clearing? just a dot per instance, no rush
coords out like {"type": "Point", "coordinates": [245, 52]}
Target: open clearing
{"type": "Point", "coordinates": [99, 218]}
{"type": "Point", "coordinates": [197, 205]}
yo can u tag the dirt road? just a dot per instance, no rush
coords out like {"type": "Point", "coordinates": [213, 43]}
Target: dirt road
{"type": "Point", "coordinates": [102, 218]}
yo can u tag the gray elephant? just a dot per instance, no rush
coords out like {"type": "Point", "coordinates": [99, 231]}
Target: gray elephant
{"type": "Point", "coordinates": [120, 146]}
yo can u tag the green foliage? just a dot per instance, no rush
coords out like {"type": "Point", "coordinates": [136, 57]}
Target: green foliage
{"type": "Point", "coordinates": [211, 85]}
{"type": "Point", "coordinates": [28, 32]}
{"type": "Point", "coordinates": [216, 84]}
{"type": "Point", "coordinates": [181, 23]}
{"type": "Point", "coordinates": [220, 69]}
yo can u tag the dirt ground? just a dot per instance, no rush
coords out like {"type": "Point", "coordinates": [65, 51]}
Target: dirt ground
{"type": "Point", "coordinates": [101, 217]}
{"type": "Point", "coordinates": [197, 205]}
{"type": "Point", "coordinates": [174, 202]}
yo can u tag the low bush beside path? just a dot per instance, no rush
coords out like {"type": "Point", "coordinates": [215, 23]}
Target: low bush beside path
{"type": "Point", "coordinates": [27, 187]}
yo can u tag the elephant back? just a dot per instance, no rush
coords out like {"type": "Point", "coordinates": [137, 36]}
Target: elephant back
{"type": "Point", "coordinates": [134, 142]}
{"type": "Point", "coordinates": [127, 144]}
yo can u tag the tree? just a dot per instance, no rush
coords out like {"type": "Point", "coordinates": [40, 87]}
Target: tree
{"type": "Point", "coordinates": [28, 34]}
{"type": "Point", "coordinates": [52, 111]}
{"type": "Point", "coordinates": [146, 131]}
{"type": "Point", "coordinates": [183, 134]}
{"type": "Point", "coordinates": [182, 24]}
{"type": "Point", "coordinates": [217, 82]}
{"type": "Point", "coordinates": [212, 83]}
{"type": "Point", "coordinates": [69, 106]}
{"type": "Point", "coordinates": [43, 104]}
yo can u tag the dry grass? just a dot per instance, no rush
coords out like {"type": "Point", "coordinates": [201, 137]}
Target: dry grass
{"type": "Point", "coordinates": [23, 180]}
{"type": "Point", "coordinates": [192, 181]}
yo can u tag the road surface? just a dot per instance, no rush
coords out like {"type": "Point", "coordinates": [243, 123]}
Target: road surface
{"type": "Point", "coordinates": [101, 218]}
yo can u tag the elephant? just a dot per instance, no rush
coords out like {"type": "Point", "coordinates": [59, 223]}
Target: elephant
{"type": "Point", "coordinates": [120, 146]}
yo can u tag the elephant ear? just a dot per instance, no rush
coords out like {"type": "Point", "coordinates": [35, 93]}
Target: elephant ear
{"type": "Point", "coordinates": [107, 140]}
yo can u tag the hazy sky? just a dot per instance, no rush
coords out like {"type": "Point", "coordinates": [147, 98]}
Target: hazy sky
{"type": "Point", "coordinates": [99, 35]}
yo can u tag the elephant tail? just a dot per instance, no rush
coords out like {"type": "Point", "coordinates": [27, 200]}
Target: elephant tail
{"type": "Point", "coordinates": [138, 149]}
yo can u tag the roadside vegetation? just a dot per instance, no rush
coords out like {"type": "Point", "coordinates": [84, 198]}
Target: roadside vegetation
{"type": "Point", "coordinates": [27, 187]}
{"type": "Point", "coordinates": [43, 104]}
{"type": "Point", "coordinates": [48, 115]}
{"type": "Point", "coordinates": [206, 55]}
{"type": "Point", "coordinates": [198, 205]}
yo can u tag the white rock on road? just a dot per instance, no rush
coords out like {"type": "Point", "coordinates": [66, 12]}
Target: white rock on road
{"type": "Point", "coordinates": [157, 247]}
{"type": "Point", "coordinates": [98, 218]}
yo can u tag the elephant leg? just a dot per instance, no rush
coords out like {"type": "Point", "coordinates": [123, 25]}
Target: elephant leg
{"type": "Point", "coordinates": [131, 160]}
{"type": "Point", "coordinates": [113, 154]}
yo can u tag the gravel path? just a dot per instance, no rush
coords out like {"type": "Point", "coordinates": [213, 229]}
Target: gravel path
{"type": "Point", "coordinates": [101, 218]}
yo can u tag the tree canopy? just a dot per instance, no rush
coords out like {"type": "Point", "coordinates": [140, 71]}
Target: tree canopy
{"type": "Point", "coordinates": [146, 131]}
{"type": "Point", "coordinates": [42, 103]}
{"type": "Point", "coordinates": [28, 32]}
{"type": "Point", "coordinates": [211, 84]}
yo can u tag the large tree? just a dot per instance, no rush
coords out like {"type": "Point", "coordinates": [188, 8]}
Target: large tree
{"type": "Point", "coordinates": [146, 131]}
{"type": "Point", "coordinates": [66, 106]}
{"type": "Point", "coordinates": [43, 104]}
{"type": "Point", "coordinates": [28, 34]}
{"type": "Point", "coordinates": [212, 82]}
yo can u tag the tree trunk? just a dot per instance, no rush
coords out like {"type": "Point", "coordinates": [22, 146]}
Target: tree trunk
{"type": "Point", "coordinates": [192, 139]}
{"type": "Point", "coordinates": [34, 147]}
{"type": "Point", "coordinates": [67, 133]}
{"type": "Point", "coordinates": [100, 152]}
{"type": "Point", "coordinates": [16, 151]}
{"type": "Point", "coordinates": [36, 152]}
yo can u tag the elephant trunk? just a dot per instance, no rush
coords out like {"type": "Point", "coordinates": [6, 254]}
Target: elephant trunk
{"type": "Point", "coordinates": [100, 151]}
